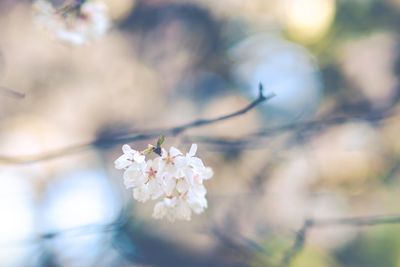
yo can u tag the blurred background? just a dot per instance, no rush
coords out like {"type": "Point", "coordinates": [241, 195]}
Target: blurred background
{"type": "Point", "coordinates": [327, 146]}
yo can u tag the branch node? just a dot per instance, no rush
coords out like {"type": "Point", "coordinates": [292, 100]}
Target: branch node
{"type": "Point", "coordinates": [261, 91]}
{"type": "Point", "coordinates": [261, 96]}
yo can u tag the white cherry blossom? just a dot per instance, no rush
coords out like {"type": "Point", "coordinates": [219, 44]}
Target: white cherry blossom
{"type": "Point", "coordinates": [174, 177]}
{"type": "Point", "coordinates": [197, 202]}
{"type": "Point", "coordinates": [189, 161]}
{"type": "Point", "coordinates": [134, 175]}
{"type": "Point", "coordinates": [145, 179]}
{"type": "Point", "coordinates": [169, 159]}
{"type": "Point", "coordinates": [172, 208]}
{"type": "Point", "coordinates": [130, 155]}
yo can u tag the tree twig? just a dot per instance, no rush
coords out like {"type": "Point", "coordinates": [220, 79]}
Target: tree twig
{"type": "Point", "coordinates": [302, 234]}
{"type": "Point", "coordinates": [145, 135]}
{"type": "Point", "coordinates": [78, 231]}
{"type": "Point", "coordinates": [253, 140]}
{"type": "Point", "coordinates": [261, 98]}
{"type": "Point", "coordinates": [298, 244]}
{"type": "Point", "coordinates": [11, 92]}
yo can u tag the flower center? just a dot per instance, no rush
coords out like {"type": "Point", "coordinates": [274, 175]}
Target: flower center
{"type": "Point", "coordinates": [151, 173]}
{"type": "Point", "coordinates": [170, 160]}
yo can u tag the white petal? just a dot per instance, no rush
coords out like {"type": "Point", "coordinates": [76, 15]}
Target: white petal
{"type": "Point", "coordinates": [158, 163]}
{"type": "Point", "coordinates": [164, 153]}
{"type": "Point", "coordinates": [181, 162]}
{"type": "Point", "coordinates": [155, 189]}
{"type": "Point", "coordinates": [134, 178]}
{"type": "Point", "coordinates": [192, 150]}
{"type": "Point", "coordinates": [189, 174]}
{"type": "Point", "coordinates": [182, 186]}
{"type": "Point", "coordinates": [149, 163]}
{"type": "Point", "coordinates": [183, 211]}
{"type": "Point", "coordinates": [173, 152]}
{"type": "Point", "coordinates": [128, 181]}
{"type": "Point", "coordinates": [198, 191]}
{"type": "Point", "coordinates": [122, 162]}
{"type": "Point", "coordinates": [141, 193]}
{"type": "Point", "coordinates": [169, 185]}
{"type": "Point", "coordinates": [198, 206]}
{"type": "Point", "coordinates": [196, 163]}
{"type": "Point", "coordinates": [138, 157]}
{"type": "Point", "coordinates": [73, 37]}
{"type": "Point", "coordinates": [207, 173]}
{"type": "Point", "coordinates": [197, 179]}
{"type": "Point", "coordinates": [170, 202]}
{"type": "Point", "coordinates": [159, 210]}
{"type": "Point", "coordinates": [127, 149]}
{"type": "Point", "coordinates": [197, 203]}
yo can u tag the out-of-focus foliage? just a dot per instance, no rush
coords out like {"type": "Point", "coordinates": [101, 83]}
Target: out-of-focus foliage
{"type": "Point", "coordinates": [326, 146]}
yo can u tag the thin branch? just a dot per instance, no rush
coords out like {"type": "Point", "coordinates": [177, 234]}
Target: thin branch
{"type": "Point", "coordinates": [302, 234]}
{"type": "Point", "coordinates": [261, 98]}
{"type": "Point", "coordinates": [298, 244]}
{"type": "Point", "coordinates": [78, 231]}
{"type": "Point", "coordinates": [11, 92]}
{"type": "Point", "coordinates": [145, 135]}
{"type": "Point", "coordinates": [357, 221]}
{"type": "Point", "coordinates": [253, 140]}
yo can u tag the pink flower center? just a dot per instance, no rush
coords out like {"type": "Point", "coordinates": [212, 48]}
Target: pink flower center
{"type": "Point", "coordinates": [151, 173]}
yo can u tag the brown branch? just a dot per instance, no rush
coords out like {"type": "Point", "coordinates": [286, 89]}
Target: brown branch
{"type": "Point", "coordinates": [145, 135]}
{"type": "Point", "coordinates": [302, 234]}
{"type": "Point", "coordinates": [11, 92]}
{"type": "Point", "coordinates": [253, 140]}
{"type": "Point", "coordinates": [298, 244]}
{"type": "Point", "coordinates": [261, 98]}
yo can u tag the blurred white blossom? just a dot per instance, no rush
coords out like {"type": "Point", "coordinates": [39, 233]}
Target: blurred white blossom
{"type": "Point", "coordinates": [75, 24]}
{"type": "Point", "coordinates": [128, 157]}
{"type": "Point", "coordinates": [173, 178]}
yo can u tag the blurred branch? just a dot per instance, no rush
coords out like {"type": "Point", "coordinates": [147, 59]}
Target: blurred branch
{"type": "Point", "coordinates": [245, 246]}
{"type": "Point", "coordinates": [246, 142]}
{"type": "Point", "coordinates": [84, 230]}
{"type": "Point", "coordinates": [253, 140]}
{"type": "Point", "coordinates": [302, 233]}
{"type": "Point", "coordinates": [72, 232]}
{"type": "Point", "coordinates": [10, 92]}
{"type": "Point", "coordinates": [298, 244]}
{"type": "Point", "coordinates": [145, 135]}
{"type": "Point", "coordinates": [261, 98]}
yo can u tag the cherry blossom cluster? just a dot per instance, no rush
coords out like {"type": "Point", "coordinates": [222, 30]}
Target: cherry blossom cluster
{"type": "Point", "coordinates": [173, 178]}
{"type": "Point", "coordinates": [74, 23]}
